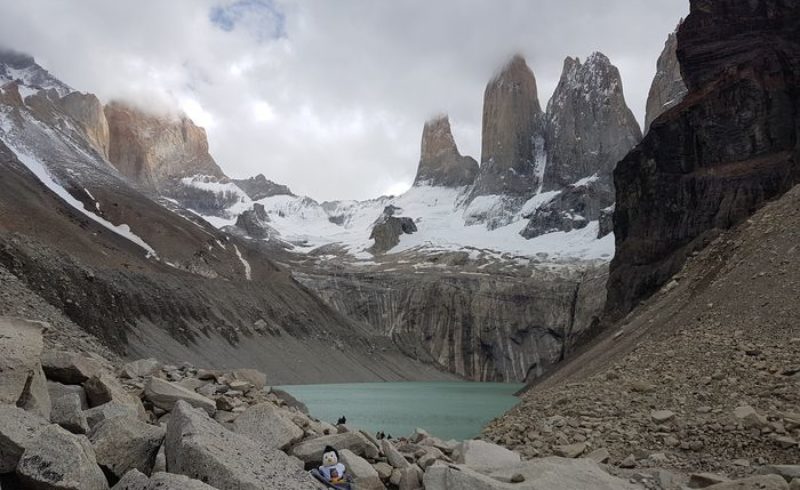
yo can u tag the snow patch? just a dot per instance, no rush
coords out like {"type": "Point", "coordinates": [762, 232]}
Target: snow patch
{"type": "Point", "coordinates": [248, 272]}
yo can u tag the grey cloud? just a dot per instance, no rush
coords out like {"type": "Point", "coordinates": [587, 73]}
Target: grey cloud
{"type": "Point", "coordinates": [330, 97]}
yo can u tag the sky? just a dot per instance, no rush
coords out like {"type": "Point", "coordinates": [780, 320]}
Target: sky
{"type": "Point", "coordinates": [329, 97]}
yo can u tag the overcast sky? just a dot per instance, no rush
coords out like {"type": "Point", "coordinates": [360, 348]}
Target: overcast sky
{"type": "Point", "coordinates": [326, 96]}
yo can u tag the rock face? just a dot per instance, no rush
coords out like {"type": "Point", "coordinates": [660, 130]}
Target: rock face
{"type": "Point", "coordinates": [387, 230]}
{"type": "Point", "coordinates": [572, 209]}
{"type": "Point", "coordinates": [440, 162]}
{"type": "Point", "coordinates": [22, 382]}
{"type": "Point", "coordinates": [667, 89]}
{"type": "Point", "coordinates": [18, 429]}
{"type": "Point", "coordinates": [513, 136]}
{"type": "Point", "coordinates": [155, 151]}
{"type": "Point", "coordinates": [265, 424]}
{"type": "Point", "coordinates": [589, 126]}
{"type": "Point", "coordinates": [87, 111]}
{"type": "Point", "coordinates": [259, 187]}
{"type": "Point", "coordinates": [717, 157]}
{"type": "Point", "coordinates": [255, 222]}
{"type": "Point", "coordinates": [16, 66]}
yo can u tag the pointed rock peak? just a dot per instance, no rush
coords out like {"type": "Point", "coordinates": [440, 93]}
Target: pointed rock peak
{"type": "Point", "coordinates": [260, 187]}
{"type": "Point", "coordinates": [668, 88]}
{"type": "Point", "coordinates": [440, 163]}
{"type": "Point", "coordinates": [516, 70]}
{"type": "Point", "coordinates": [16, 59]}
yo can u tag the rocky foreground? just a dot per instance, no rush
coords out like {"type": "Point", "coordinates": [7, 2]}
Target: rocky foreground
{"type": "Point", "coordinates": [75, 421]}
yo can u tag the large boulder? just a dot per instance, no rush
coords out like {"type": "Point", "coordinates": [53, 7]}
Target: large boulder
{"type": "Point", "coordinates": [199, 447]}
{"type": "Point", "coordinates": [395, 457]}
{"type": "Point", "coordinates": [23, 382]}
{"type": "Point", "coordinates": [164, 395]}
{"type": "Point", "coordinates": [69, 368]}
{"type": "Point", "coordinates": [105, 388]}
{"type": "Point", "coordinates": [18, 429]}
{"type": "Point", "coordinates": [57, 390]}
{"type": "Point", "coordinates": [97, 414]}
{"type": "Point", "coordinates": [59, 460]}
{"type": "Point", "coordinates": [364, 476]}
{"type": "Point", "coordinates": [310, 452]}
{"type": "Point", "coordinates": [268, 425]}
{"type": "Point", "coordinates": [141, 368]}
{"type": "Point", "coordinates": [483, 456]}
{"type": "Point", "coordinates": [253, 376]}
{"type": "Point", "coordinates": [122, 444]}
{"type": "Point", "coordinates": [68, 413]}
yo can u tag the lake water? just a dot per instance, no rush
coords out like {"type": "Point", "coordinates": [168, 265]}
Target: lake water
{"type": "Point", "coordinates": [449, 410]}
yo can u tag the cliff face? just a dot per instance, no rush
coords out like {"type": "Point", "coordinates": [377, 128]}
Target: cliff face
{"type": "Point", "coordinates": [513, 137]}
{"type": "Point", "coordinates": [729, 146]}
{"type": "Point", "coordinates": [589, 126]}
{"type": "Point", "coordinates": [157, 151]}
{"type": "Point", "coordinates": [87, 111]}
{"type": "Point", "coordinates": [440, 162]}
{"type": "Point", "coordinates": [480, 326]}
{"type": "Point", "coordinates": [667, 89]}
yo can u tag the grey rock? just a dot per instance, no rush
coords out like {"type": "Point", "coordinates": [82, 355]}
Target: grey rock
{"type": "Point", "coordinates": [572, 209]}
{"type": "Point", "coordinates": [135, 480]}
{"type": "Point", "coordinates": [23, 382]}
{"type": "Point", "coordinates": [748, 416]}
{"type": "Point", "coordinates": [255, 222]}
{"type": "Point", "coordinates": [600, 455]}
{"type": "Point", "coordinates": [164, 394]}
{"type": "Point", "coordinates": [197, 446]}
{"type": "Point", "coordinates": [667, 89]}
{"type": "Point", "coordinates": [105, 388]}
{"type": "Point", "coordinates": [59, 460]}
{"type": "Point", "coordinates": [259, 187]}
{"type": "Point", "coordinates": [789, 472]}
{"type": "Point", "coordinates": [310, 451]}
{"type": "Point", "coordinates": [58, 390]}
{"type": "Point", "coordinates": [18, 429]}
{"type": "Point", "coordinates": [122, 444]}
{"type": "Point", "coordinates": [440, 162]}
{"type": "Point", "coordinates": [484, 456]}
{"type": "Point", "coordinates": [384, 470]}
{"type": "Point", "coordinates": [408, 478]}
{"type": "Point", "coordinates": [761, 482]}
{"type": "Point", "coordinates": [395, 458]}
{"type": "Point", "coordinates": [67, 413]}
{"type": "Point", "coordinates": [132, 480]}
{"type": "Point", "coordinates": [570, 450]}
{"type": "Point", "coordinates": [256, 378]}
{"type": "Point", "coordinates": [703, 480]}
{"type": "Point", "coordinates": [69, 367]}
{"type": "Point", "coordinates": [268, 425]}
{"type": "Point", "coordinates": [661, 416]}
{"type": "Point", "coordinates": [364, 476]}
{"type": "Point", "coordinates": [141, 368]}
{"type": "Point", "coordinates": [387, 231]}
{"type": "Point", "coordinates": [97, 414]}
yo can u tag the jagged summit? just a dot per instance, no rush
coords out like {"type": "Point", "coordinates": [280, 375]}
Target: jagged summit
{"type": "Point", "coordinates": [589, 126]}
{"type": "Point", "coordinates": [22, 68]}
{"type": "Point", "coordinates": [512, 133]}
{"type": "Point", "coordinates": [259, 187]}
{"type": "Point", "coordinates": [440, 162]}
{"type": "Point", "coordinates": [667, 89]}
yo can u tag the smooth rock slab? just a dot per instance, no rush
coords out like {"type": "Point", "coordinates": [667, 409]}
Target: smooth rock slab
{"type": "Point", "coordinates": [200, 448]}
{"type": "Point", "coordinates": [364, 476]}
{"type": "Point", "coordinates": [267, 424]}
{"type": "Point", "coordinates": [484, 456]}
{"type": "Point", "coordinates": [108, 410]}
{"type": "Point", "coordinates": [18, 429]}
{"type": "Point", "coordinates": [122, 444]}
{"type": "Point", "coordinates": [140, 369]}
{"type": "Point", "coordinates": [164, 395]}
{"type": "Point", "coordinates": [105, 388]}
{"type": "Point", "coordinates": [395, 457]}
{"type": "Point", "coordinates": [310, 452]}
{"type": "Point", "coordinates": [69, 367]}
{"type": "Point", "coordinates": [59, 460]}
{"type": "Point", "coordinates": [23, 382]}
{"type": "Point", "coordinates": [57, 390]}
{"type": "Point", "coordinates": [67, 413]}
{"type": "Point", "coordinates": [763, 482]}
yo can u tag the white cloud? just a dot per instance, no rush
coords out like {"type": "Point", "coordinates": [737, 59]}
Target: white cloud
{"type": "Point", "coordinates": [329, 97]}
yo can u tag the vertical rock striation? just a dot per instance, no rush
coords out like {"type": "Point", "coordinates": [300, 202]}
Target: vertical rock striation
{"type": "Point", "coordinates": [730, 145]}
{"type": "Point", "coordinates": [87, 111]}
{"type": "Point", "coordinates": [667, 89]}
{"type": "Point", "coordinates": [512, 135]}
{"type": "Point", "coordinates": [440, 162]}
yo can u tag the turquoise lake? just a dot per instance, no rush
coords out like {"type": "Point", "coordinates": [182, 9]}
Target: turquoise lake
{"type": "Point", "coordinates": [449, 410]}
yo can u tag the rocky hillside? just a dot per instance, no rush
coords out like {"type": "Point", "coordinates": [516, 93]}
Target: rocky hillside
{"type": "Point", "coordinates": [667, 89]}
{"type": "Point", "coordinates": [716, 157]}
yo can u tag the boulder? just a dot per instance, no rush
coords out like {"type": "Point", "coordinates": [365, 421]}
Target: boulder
{"type": "Point", "coordinates": [364, 476]}
{"type": "Point", "coordinates": [761, 482]}
{"type": "Point", "coordinates": [164, 394]}
{"type": "Point", "coordinates": [703, 480]}
{"type": "Point", "coordinates": [58, 390]}
{"type": "Point", "coordinates": [23, 382]}
{"type": "Point", "coordinates": [384, 470]}
{"type": "Point", "coordinates": [135, 480]}
{"type": "Point", "coordinates": [570, 450]}
{"type": "Point", "coordinates": [199, 447]}
{"type": "Point", "coordinates": [661, 416]}
{"type": "Point", "coordinates": [268, 425]}
{"type": "Point", "coordinates": [310, 452]}
{"type": "Point", "coordinates": [789, 472]}
{"type": "Point", "coordinates": [109, 410]}
{"type": "Point", "coordinates": [122, 444]}
{"type": "Point", "coordinates": [105, 388]}
{"type": "Point", "coordinates": [290, 400]}
{"type": "Point", "coordinates": [140, 369]}
{"type": "Point", "coordinates": [484, 456]}
{"type": "Point", "coordinates": [748, 416]}
{"type": "Point", "coordinates": [67, 412]}
{"type": "Point", "coordinates": [395, 457]}
{"type": "Point", "coordinates": [69, 368]}
{"type": "Point", "coordinates": [253, 376]}
{"type": "Point", "coordinates": [18, 429]}
{"type": "Point", "coordinates": [59, 460]}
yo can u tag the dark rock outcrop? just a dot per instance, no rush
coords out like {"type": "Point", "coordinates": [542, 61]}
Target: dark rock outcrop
{"type": "Point", "coordinates": [259, 187]}
{"type": "Point", "coordinates": [440, 162]}
{"type": "Point", "coordinates": [589, 126]}
{"type": "Point", "coordinates": [513, 135]}
{"type": "Point", "coordinates": [387, 230]}
{"type": "Point", "coordinates": [21, 67]}
{"type": "Point", "coordinates": [572, 209]}
{"type": "Point", "coordinates": [255, 222]}
{"type": "Point", "coordinates": [667, 89]}
{"type": "Point", "coordinates": [715, 158]}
